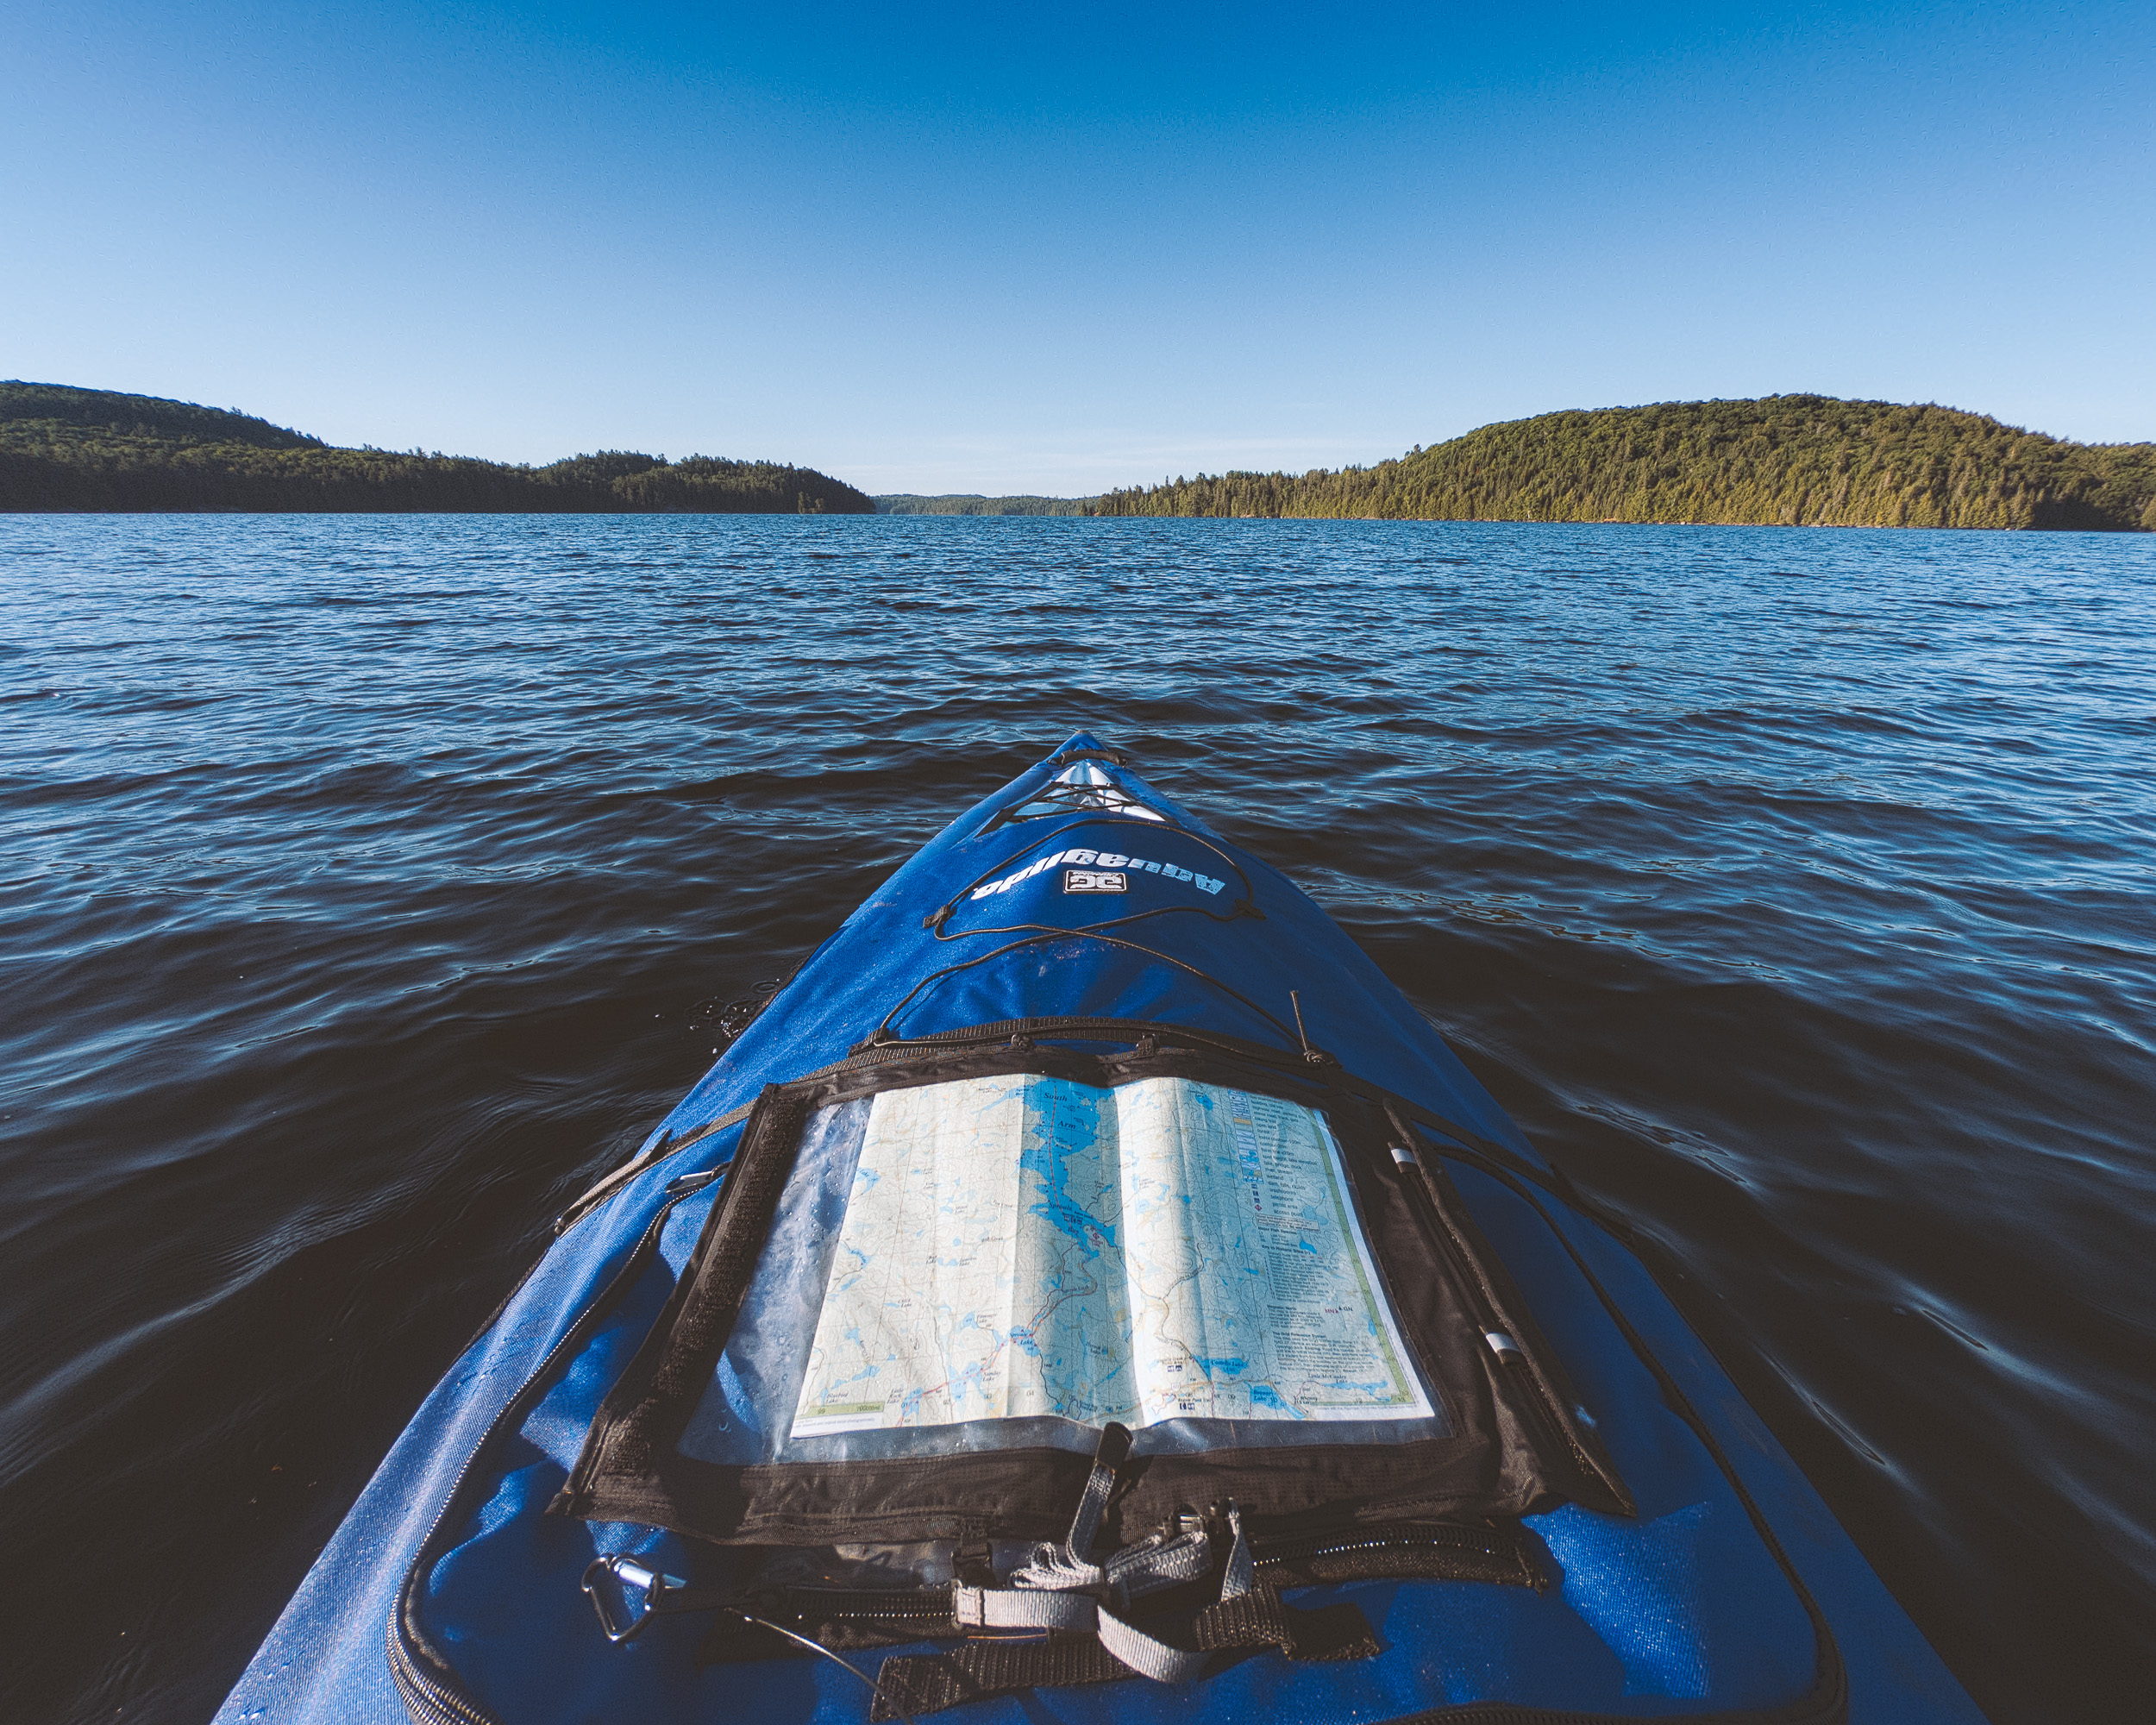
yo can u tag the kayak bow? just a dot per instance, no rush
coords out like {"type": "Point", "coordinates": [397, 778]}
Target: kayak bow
{"type": "Point", "coordinates": [1088, 1290]}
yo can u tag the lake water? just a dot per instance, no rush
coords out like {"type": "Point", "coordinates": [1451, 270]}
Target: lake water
{"type": "Point", "coordinates": [371, 884]}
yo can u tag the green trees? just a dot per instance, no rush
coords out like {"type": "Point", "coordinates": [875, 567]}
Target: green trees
{"type": "Point", "coordinates": [64, 448]}
{"type": "Point", "coordinates": [1799, 459]}
{"type": "Point", "coordinates": [1795, 460]}
{"type": "Point", "coordinates": [971, 503]}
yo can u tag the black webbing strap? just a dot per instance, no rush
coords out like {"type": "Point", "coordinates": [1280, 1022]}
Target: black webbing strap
{"type": "Point", "coordinates": [1257, 1619]}
{"type": "Point", "coordinates": [983, 1669]}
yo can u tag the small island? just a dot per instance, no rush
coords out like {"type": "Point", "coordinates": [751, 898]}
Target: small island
{"type": "Point", "coordinates": [63, 448]}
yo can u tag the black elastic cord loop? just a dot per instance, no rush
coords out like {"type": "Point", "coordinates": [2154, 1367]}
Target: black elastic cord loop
{"type": "Point", "coordinates": [883, 1031]}
{"type": "Point", "coordinates": [1087, 927]}
{"type": "Point", "coordinates": [877, 1696]}
{"type": "Point", "coordinates": [1047, 793]}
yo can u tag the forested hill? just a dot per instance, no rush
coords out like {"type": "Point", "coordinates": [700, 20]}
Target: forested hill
{"type": "Point", "coordinates": [973, 503]}
{"type": "Point", "coordinates": [1791, 460]}
{"type": "Point", "coordinates": [66, 449]}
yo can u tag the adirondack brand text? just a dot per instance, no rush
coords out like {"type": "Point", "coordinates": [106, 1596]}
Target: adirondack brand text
{"type": "Point", "coordinates": [1099, 859]}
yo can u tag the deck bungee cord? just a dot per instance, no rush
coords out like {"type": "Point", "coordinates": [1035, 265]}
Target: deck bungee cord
{"type": "Point", "coordinates": [938, 921]}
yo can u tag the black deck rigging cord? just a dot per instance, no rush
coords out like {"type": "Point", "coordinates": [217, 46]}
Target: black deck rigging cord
{"type": "Point", "coordinates": [883, 1032]}
{"type": "Point", "coordinates": [1031, 933]}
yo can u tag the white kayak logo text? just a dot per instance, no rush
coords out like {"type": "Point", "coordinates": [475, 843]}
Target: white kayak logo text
{"type": "Point", "coordinates": [1095, 881]}
{"type": "Point", "coordinates": [1095, 861]}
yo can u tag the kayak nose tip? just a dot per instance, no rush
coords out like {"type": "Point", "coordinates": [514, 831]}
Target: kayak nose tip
{"type": "Point", "coordinates": [1084, 744]}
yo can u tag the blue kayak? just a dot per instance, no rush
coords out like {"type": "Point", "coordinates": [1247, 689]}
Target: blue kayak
{"type": "Point", "coordinates": [1087, 1291]}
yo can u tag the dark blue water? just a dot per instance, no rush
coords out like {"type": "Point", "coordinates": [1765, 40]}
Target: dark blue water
{"type": "Point", "coordinates": [370, 885]}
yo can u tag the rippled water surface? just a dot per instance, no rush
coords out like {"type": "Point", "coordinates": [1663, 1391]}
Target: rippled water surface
{"type": "Point", "coordinates": [370, 885]}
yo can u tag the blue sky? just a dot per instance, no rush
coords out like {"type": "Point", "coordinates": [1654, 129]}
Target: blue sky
{"type": "Point", "coordinates": [988, 249]}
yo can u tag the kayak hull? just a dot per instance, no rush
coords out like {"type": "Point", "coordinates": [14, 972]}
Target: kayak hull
{"type": "Point", "coordinates": [450, 1594]}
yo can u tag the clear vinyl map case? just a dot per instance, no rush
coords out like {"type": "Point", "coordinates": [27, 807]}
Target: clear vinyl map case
{"type": "Point", "coordinates": [973, 1265]}
{"type": "Point", "coordinates": [927, 1288]}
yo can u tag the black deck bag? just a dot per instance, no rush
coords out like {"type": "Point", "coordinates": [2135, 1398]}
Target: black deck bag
{"type": "Point", "coordinates": [857, 1221]}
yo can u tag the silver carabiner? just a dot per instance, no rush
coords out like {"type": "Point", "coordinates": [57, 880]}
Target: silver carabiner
{"type": "Point", "coordinates": [610, 1603]}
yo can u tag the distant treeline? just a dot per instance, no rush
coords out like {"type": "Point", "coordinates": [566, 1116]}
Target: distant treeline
{"type": "Point", "coordinates": [968, 503]}
{"type": "Point", "coordinates": [1788, 460]}
{"type": "Point", "coordinates": [64, 448]}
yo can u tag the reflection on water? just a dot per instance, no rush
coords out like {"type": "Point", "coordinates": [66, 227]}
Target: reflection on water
{"type": "Point", "coordinates": [370, 884]}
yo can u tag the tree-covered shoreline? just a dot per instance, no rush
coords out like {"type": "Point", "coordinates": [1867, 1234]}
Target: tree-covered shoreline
{"type": "Point", "coordinates": [64, 448]}
{"type": "Point", "coordinates": [1788, 460]}
{"type": "Point", "coordinates": [974, 503]}
{"type": "Point", "coordinates": [1791, 460]}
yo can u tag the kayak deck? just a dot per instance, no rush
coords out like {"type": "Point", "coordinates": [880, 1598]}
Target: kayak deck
{"type": "Point", "coordinates": [1079, 928]}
